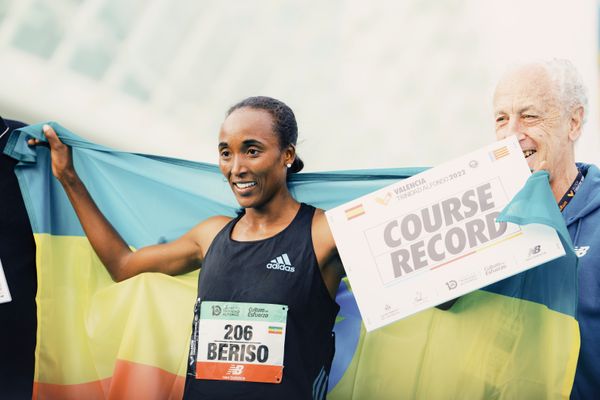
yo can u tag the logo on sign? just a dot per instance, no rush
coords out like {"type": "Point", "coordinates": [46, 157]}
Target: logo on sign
{"type": "Point", "coordinates": [216, 310]}
{"type": "Point", "coordinates": [499, 153]}
{"type": "Point", "coordinates": [535, 250]}
{"type": "Point", "coordinates": [235, 369]}
{"type": "Point", "coordinates": [452, 284]}
{"type": "Point", "coordinates": [354, 212]}
{"type": "Point", "coordinates": [385, 199]}
{"type": "Point", "coordinates": [494, 268]}
{"type": "Point", "coordinates": [418, 297]}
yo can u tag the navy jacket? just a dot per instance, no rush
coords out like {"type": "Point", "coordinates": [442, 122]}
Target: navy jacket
{"type": "Point", "coordinates": [582, 216]}
{"type": "Point", "coordinates": [17, 252]}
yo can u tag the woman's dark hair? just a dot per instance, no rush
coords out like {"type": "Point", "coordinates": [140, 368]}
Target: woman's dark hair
{"type": "Point", "coordinates": [284, 122]}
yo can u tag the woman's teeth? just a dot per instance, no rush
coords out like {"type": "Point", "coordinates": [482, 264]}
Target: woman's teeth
{"type": "Point", "coordinates": [244, 185]}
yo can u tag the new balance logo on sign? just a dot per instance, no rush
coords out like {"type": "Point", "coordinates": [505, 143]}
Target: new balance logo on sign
{"type": "Point", "coordinates": [235, 369]}
{"type": "Point", "coordinates": [282, 262]}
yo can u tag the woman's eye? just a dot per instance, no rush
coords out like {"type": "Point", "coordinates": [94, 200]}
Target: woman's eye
{"type": "Point", "coordinates": [253, 152]}
{"type": "Point", "coordinates": [224, 153]}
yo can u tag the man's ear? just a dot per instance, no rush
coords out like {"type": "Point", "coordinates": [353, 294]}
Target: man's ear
{"type": "Point", "coordinates": [576, 123]}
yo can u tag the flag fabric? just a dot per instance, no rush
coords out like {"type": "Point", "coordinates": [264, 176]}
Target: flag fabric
{"type": "Point", "coordinates": [98, 339]}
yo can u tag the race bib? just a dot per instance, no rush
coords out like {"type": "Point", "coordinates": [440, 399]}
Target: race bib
{"type": "Point", "coordinates": [241, 341]}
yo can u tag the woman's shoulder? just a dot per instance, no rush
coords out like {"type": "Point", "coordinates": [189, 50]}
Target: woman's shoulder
{"type": "Point", "coordinates": [318, 216]}
{"type": "Point", "coordinates": [319, 213]}
{"type": "Point", "coordinates": [320, 227]}
{"type": "Point", "coordinates": [213, 225]}
{"type": "Point", "coordinates": [206, 231]}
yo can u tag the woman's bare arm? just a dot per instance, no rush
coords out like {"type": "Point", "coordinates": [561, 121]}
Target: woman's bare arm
{"type": "Point", "coordinates": [332, 269]}
{"type": "Point", "coordinates": [179, 256]}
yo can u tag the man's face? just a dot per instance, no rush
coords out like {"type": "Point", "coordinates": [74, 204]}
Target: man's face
{"type": "Point", "coordinates": [526, 105]}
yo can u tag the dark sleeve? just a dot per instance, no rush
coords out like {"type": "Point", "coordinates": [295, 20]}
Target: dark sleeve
{"type": "Point", "coordinates": [17, 253]}
{"type": "Point", "coordinates": [447, 305]}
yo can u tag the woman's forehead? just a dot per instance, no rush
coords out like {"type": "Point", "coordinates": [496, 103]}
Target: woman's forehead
{"type": "Point", "coordinates": [247, 123]}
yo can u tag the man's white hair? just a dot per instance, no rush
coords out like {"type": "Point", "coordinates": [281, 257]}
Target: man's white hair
{"type": "Point", "coordinates": [568, 84]}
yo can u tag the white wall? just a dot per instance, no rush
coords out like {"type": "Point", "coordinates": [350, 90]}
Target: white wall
{"type": "Point", "coordinates": [373, 84]}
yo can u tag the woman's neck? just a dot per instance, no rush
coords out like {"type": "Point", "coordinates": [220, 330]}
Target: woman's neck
{"type": "Point", "coordinates": [268, 219]}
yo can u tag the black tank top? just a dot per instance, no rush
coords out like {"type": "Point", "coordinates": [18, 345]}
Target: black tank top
{"type": "Point", "coordinates": [282, 269]}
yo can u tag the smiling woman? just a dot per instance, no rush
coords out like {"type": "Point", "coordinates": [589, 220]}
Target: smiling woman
{"type": "Point", "coordinates": [257, 149]}
{"type": "Point", "coordinates": [277, 256]}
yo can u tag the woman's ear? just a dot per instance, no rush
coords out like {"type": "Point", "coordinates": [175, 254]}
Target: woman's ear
{"type": "Point", "coordinates": [289, 155]}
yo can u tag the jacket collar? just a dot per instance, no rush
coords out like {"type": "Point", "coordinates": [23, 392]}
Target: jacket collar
{"type": "Point", "coordinates": [587, 198]}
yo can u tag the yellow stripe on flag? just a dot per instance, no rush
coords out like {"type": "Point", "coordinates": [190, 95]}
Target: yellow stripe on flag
{"type": "Point", "coordinates": [451, 354]}
{"type": "Point", "coordinates": [96, 336]}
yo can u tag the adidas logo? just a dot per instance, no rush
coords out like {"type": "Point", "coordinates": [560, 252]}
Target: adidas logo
{"type": "Point", "coordinates": [282, 262]}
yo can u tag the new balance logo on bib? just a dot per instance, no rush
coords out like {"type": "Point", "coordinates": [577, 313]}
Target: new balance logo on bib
{"type": "Point", "coordinates": [282, 263]}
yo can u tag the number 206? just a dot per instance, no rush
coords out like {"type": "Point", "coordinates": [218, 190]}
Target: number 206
{"type": "Point", "coordinates": [238, 332]}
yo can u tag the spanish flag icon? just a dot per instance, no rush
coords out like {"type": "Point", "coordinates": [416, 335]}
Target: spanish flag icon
{"type": "Point", "coordinates": [354, 212]}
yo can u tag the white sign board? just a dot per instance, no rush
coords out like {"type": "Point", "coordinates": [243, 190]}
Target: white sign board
{"type": "Point", "coordinates": [433, 237]}
{"type": "Point", "coordinates": [4, 292]}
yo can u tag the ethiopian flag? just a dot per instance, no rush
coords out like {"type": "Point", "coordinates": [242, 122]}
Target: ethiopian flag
{"type": "Point", "coordinates": [98, 339]}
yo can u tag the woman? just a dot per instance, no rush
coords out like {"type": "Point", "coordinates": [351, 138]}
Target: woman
{"type": "Point", "coordinates": [277, 254]}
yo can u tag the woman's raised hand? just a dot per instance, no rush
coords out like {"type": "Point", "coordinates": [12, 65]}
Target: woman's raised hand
{"type": "Point", "coordinates": [62, 159]}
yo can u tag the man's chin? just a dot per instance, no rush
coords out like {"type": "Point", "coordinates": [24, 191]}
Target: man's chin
{"type": "Point", "coordinates": [532, 162]}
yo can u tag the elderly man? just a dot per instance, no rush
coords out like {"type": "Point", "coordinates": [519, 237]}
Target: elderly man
{"type": "Point", "coordinates": [544, 105]}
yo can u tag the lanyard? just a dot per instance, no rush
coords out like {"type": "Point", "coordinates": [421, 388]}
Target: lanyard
{"type": "Point", "coordinates": [567, 197]}
{"type": "Point", "coordinates": [3, 125]}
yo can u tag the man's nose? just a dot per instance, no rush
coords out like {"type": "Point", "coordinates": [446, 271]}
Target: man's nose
{"type": "Point", "coordinates": [516, 128]}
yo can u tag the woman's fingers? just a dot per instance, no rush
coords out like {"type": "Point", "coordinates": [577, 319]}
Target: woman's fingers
{"type": "Point", "coordinates": [52, 137]}
{"type": "Point", "coordinates": [47, 129]}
